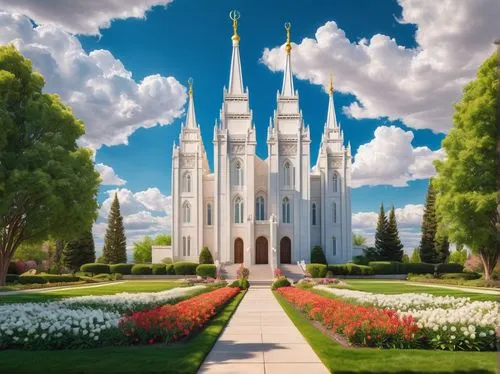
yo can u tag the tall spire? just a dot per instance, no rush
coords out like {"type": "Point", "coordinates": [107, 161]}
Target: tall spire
{"type": "Point", "coordinates": [235, 77]}
{"type": "Point", "coordinates": [191, 116]}
{"type": "Point", "coordinates": [287, 89]}
{"type": "Point", "coordinates": [331, 119]}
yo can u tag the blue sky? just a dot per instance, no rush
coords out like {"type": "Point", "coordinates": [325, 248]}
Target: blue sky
{"type": "Point", "coordinates": [397, 72]}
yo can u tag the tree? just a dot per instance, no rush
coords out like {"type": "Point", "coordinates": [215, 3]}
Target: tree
{"type": "Point", "coordinates": [31, 251]}
{"type": "Point", "coordinates": [442, 246]}
{"type": "Point", "coordinates": [163, 239]}
{"type": "Point", "coordinates": [466, 180]}
{"type": "Point", "coordinates": [381, 233]}
{"type": "Point", "coordinates": [318, 256]}
{"type": "Point", "coordinates": [80, 251]}
{"type": "Point", "coordinates": [115, 242]}
{"type": "Point", "coordinates": [415, 256]}
{"type": "Point", "coordinates": [405, 259]}
{"type": "Point", "coordinates": [143, 250]}
{"type": "Point", "coordinates": [429, 227]}
{"type": "Point", "coordinates": [459, 256]}
{"type": "Point", "coordinates": [371, 254]}
{"type": "Point", "coordinates": [358, 239]}
{"type": "Point", "coordinates": [393, 248]}
{"type": "Point", "coordinates": [206, 256]}
{"type": "Point", "coordinates": [48, 185]}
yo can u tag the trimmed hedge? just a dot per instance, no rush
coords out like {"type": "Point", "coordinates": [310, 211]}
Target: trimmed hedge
{"type": "Point", "coordinates": [318, 256]}
{"type": "Point", "coordinates": [11, 278]}
{"type": "Point", "coordinates": [159, 269]}
{"type": "Point", "coordinates": [280, 282]}
{"type": "Point", "coordinates": [206, 270]}
{"type": "Point", "coordinates": [316, 270]}
{"type": "Point", "coordinates": [449, 268]}
{"type": "Point", "coordinates": [419, 268]}
{"type": "Point", "coordinates": [95, 268]}
{"type": "Point", "coordinates": [244, 284]}
{"type": "Point", "coordinates": [141, 269]}
{"type": "Point", "coordinates": [350, 269]}
{"type": "Point", "coordinates": [185, 268]}
{"type": "Point", "coordinates": [52, 278]}
{"type": "Point", "coordinates": [387, 267]}
{"type": "Point", "coordinates": [31, 279]}
{"type": "Point", "coordinates": [465, 276]}
{"type": "Point", "coordinates": [206, 256]}
{"type": "Point", "coordinates": [124, 269]}
{"type": "Point", "coordinates": [235, 284]}
{"type": "Point", "coordinates": [170, 269]}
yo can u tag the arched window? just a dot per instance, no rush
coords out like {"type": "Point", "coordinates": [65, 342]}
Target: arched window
{"type": "Point", "coordinates": [186, 212]}
{"type": "Point", "coordinates": [238, 210]}
{"type": "Point", "coordinates": [209, 214]}
{"type": "Point", "coordinates": [334, 212]}
{"type": "Point", "coordinates": [259, 209]}
{"type": "Point", "coordinates": [334, 243]}
{"type": "Point", "coordinates": [189, 246]}
{"type": "Point", "coordinates": [183, 245]}
{"type": "Point", "coordinates": [187, 182]}
{"type": "Point", "coordinates": [287, 174]}
{"type": "Point", "coordinates": [237, 174]}
{"type": "Point", "coordinates": [286, 210]}
{"type": "Point", "coordinates": [313, 214]}
{"type": "Point", "coordinates": [335, 182]}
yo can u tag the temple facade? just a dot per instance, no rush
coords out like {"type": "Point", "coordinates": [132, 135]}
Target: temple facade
{"type": "Point", "coordinates": [261, 211]}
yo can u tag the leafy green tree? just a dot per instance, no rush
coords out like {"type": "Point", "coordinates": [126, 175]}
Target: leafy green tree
{"type": "Point", "coordinates": [392, 250]}
{"type": "Point", "coordinates": [206, 256]}
{"type": "Point", "coordinates": [429, 227]}
{"type": "Point", "coordinates": [115, 242]}
{"type": "Point", "coordinates": [143, 251]}
{"type": "Point", "coordinates": [442, 246]}
{"type": "Point", "coordinates": [415, 256]}
{"type": "Point", "coordinates": [381, 234]}
{"type": "Point", "coordinates": [405, 259]}
{"type": "Point", "coordinates": [48, 185]}
{"type": "Point", "coordinates": [466, 181]}
{"type": "Point", "coordinates": [358, 239]}
{"type": "Point", "coordinates": [163, 239]}
{"type": "Point", "coordinates": [31, 251]}
{"type": "Point", "coordinates": [79, 252]}
{"type": "Point", "coordinates": [458, 256]}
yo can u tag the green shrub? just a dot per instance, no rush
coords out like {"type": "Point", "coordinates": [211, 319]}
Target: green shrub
{"type": "Point", "coordinates": [235, 284]}
{"type": "Point", "coordinates": [318, 256]}
{"type": "Point", "coordinates": [350, 269]}
{"type": "Point", "coordinates": [185, 268]}
{"type": "Point", "coordinates": [206, 270]}
{"type": "Point", "coordinates": [280, 282]}
{"type": "Point", "coordinates": [206, 256]}
{"type": "Point", "coordinates": [125, 269]}
{"type": "Point", "coordinates": [12, 278]}
{"type": "Point", "coordinates": [419, 268]}
{"type": "Point", "coordinates": [51, 278]}
{"type": "Point", "coordinates": [465, 276]}
{"type": "Point", "coordinates": [31, 279]}
{"type": "Point", "coordinates": [95, 268]}
{"type": "Point", "coordinates": [337, 269]}
{"type": "Point", "coordinates": [116, 276]}
{"type": "Point", "coordinates": [244, 284]}
{"type": "Point", "coordinates": [159, 269]}
{"type": "Point", "coordinates": [316, 270]}
{"type": "Point", "coordinates": [387, 267]}
{"type": "Point", "coordinates": [142, 269]}
{"type": "Point", "coordinates": [167, 260]}
{"type": "Point", "coordinates": [102, 277]}
{"type": "Point", "coordinates": [170, 269]}
{"type": "Point", "coordinates": [449, 268]}
{"type": "Point", "coordinates": [360, 260]}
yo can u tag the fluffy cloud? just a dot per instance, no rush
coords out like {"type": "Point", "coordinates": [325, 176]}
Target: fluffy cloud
{"type": "Point", "coordinates": [108, 176]}
{"type": "Point", "coordinates": [81, 16]}
{"type": "Point", "coordinates": [415, 85]}
{"type": "Point", "coordinates": [96, 85]}
{"type": "Point", "coordinates": [390, 159]}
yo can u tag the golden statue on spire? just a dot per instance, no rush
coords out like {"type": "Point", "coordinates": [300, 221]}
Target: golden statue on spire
{"type": "Point", "coordinates": [330, 88]}
{"type": "Point", "coordinates": [288, 46]}
{"type": "Point", "coordinates": [190, 83]}
{"type": "Point", "coordinates": [235, 16]}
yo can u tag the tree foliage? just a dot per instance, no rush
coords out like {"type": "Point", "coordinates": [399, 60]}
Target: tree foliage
{"type": "Point", "coordinates": [206, 256]}
{"type": "Point", "coordinates": [466, 181]}
{"type": "Point", "coordinates": [143, 250]}
{"type": "Point", "coordinates": [415, 256]}
{"type": "Point", "coordinates": [429, 227]}
{"type": "Point", "coordinates": [31, 251]}
{"type": "Point", "coordinates": [393, 248]}
{"type": "Point", "coordinates": [78, 252]}
{"type": "Point", "coordinates": [381, 233]}
{"type": "Point", "coordinates": [48, 185]}
{"type": "Point", "coordinates": [459, 256]}
{"type": "Point", "coordinates": [115, 242]}
{"type": "Point", "coordinates": [358, 239]}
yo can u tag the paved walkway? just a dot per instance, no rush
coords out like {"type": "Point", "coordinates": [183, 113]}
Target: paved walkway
{"type": "Point", "coordinates": [484, 290]}
{"type": "Point", "coordinates": [260, 338]}
{"type": "Point", "coordinates": [51, 289]}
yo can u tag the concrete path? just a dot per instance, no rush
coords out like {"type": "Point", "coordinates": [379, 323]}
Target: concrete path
{"type": "Point", "coordinates": [260, 338]}
{"type": "Point", "coordinates": [51, 289]}
{"type": "Point", "coordinates": [487, 291]}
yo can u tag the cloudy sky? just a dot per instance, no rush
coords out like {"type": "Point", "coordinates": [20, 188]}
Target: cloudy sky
{"type": "Point", "coordinates": [122, 66]}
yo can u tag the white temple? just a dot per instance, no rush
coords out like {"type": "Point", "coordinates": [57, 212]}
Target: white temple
{"type": "Point", "coordinates": [255, 211]}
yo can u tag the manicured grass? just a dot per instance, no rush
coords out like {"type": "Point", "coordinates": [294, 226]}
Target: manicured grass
{"type": "Point", "coordinates": [109, 289]}
{"type": "Point", "coordinates": [395, 287]}
{"type": "Point", "coordinates": [181, 357]}
{"type": "Point", "coordinates": [341, 360]}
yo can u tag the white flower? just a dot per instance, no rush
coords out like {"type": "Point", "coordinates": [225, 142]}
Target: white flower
{"type": "Point", "coordinates": [453, 328]}
{"type": "Point", "coordinates": [444, 328]}
{"type": "Point", "coordinates": [452, 337]}
{"type": "Point", "coordinates": [473, 336]}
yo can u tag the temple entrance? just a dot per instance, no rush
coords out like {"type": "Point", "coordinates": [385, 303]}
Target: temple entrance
{"type": "Point", "coordinates": [261, 250]}
{"type": "Point", "coordinates": [285, 250]}
{"type": "Point", "coordinates": [238, 251]}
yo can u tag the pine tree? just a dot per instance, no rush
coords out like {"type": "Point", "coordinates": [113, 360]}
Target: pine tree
{"type": "Point", "coordinates": [381, 233]}
{"type": "Point", "coordinates": [429, 228]}
{"type": "Point", "coordinates": [80, 251]}
{"type": "Point", "coordinates": [393, 250]}
{"type": "Point", "coordinates": [442, 246]}
{"type": "Point", "coordinates": [115, 242]}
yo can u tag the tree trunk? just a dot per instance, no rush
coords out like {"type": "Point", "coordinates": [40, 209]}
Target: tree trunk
{"type": "Point", "coordinates": [4, 266]}
{"type": "Point", "coordinates": [489, 258]}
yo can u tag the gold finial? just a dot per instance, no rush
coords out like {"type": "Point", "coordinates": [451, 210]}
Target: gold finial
{"type": "Point", "coordinates": [330, 88]}
{"type": "Point", "coordinates": [288, 46]}
{"type": "Point", "coordinates": [235, 16]}
{"type": "Point", "coordinates": [190, 83]}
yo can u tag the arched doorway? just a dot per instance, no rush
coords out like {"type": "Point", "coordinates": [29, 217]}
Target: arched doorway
{"type": "Point", "coordinates": [285, 250]}
{"type": "Point", "coordinates": [238, 251]}
{"type": "Point", "coordinates": [261, 250]}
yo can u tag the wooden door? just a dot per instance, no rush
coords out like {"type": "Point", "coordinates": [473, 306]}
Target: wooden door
{"type": "Point", "coordinates": [285, 250]}
{"type": "Point", "coordinates": [261, 250]}
{"type": "Point", "coordinates": [238, 251]}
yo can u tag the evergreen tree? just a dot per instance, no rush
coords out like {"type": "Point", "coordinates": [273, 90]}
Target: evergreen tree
{"type": "Point", "coordinates": [381, 233]}
{"type": "Point", "coordinates": [393, 249]}
{"type": "Point", "coordinates": [115, 242]}
{"type": "Point", "coordinates": [415, 256]}
{"type": "Point", "coordinates": [429, 228]}
{"type": "Point", "coordinates": [80, 251]}
{"type": "Point", "coordinates": [442, 246]}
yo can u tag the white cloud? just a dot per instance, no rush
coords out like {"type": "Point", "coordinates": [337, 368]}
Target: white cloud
{"type": "Point", "coordinates": [415, 85]}
{"type": "Point", "coordinates": [96, 85]}
{"type": "Point", "coordinates": [108, 176]}
{"type": "Point", "coordinates": [390, 159]}
{"type": "Point", "coordinates": [81, 16]}
{"type": "Point", "coordinates": [154, 200]}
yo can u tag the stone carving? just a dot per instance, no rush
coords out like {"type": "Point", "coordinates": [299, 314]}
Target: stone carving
{"type": "Point", "coordinates": [335, 163]}
{"type": "Point", "coordinates": [288, 149]}
{"type": "Point", "coordinates": [238, 149]}
{"type": "Point", "coordinates": [187, 161]}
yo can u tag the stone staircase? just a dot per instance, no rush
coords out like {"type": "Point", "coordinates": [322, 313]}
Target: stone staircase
{"type": "Point", "coordinates": [259, 274]}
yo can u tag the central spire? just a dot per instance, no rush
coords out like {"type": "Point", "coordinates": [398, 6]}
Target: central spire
{"type": "Point", "coordinates": [235, 77]}
{"type": "Point", "coordinates": [191, 116]}
{"type": "Point", "coordinates": [331, 119]}
{"type": "Point", "coordinates": [287, 89]}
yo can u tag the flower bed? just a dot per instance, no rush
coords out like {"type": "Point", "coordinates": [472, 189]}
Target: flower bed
{"type": "Point", "coordinates": [445, 322]}
{"type": "Point", "coordinates": [173, 322]}
{"type": "Point", "coordinates": [366, 326]}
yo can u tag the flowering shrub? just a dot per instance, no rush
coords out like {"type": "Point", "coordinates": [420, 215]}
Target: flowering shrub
{"type": "Point", "coordinates": [277, 273]}
{"type": "Point", "coordinates": [173, 322]}
{"type": "Point", "coordinates": [242, 272]}
{"type": "Point", "coordinates": [367, 326]}
{"type": "Point", "coordinates": [444, 322]}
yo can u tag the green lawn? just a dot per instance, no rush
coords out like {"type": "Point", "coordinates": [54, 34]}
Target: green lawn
{"type": "Point", "coordinates": [341, 360]}
{"type": "Point", "coordinates": [182, 357]}
{"type": "Point", "coordinates": [112, 288]}
{"type": "Point", "coordinates": [397, 286]}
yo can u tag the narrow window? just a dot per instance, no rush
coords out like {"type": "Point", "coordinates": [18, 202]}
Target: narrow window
{"type": "Point", "coordinates": [314, 214]}
{"type": "Point", "coordinates": [286, 210]}
{"type": "Point", "coordinates": [189, 246]}
{"type": "Point", "coordinates": [209, 214]}
{"type": "Point", "coordinates": [334, 212]}
{"type": "Point", "coordinates": [335, 182]}
{"type": "Point", "coordinates": [287, 174]}
{"type": "Point", "coordinates": [184, 246]}
{"type": "Point", "coordinates": [187, 182]}
{"type": "Point", "coordinates": [334, 242]}
{"type": "Point", "coordinates": [186, 209]}
{"type": "Point", "coordinates": [259, 209]}
{"type": "Point", "coordinates": [238, 174]}
{"type": "Point", "coordinates": [238, 210]}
